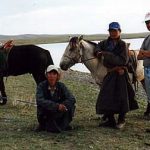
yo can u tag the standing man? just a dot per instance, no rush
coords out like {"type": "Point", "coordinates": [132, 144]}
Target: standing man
{"type": "Point", "coordinates": [145, 55]}
{"type": "Point", "coordinates": [116, 95]}
{"type": "Point", "coordinates": [55, 103]}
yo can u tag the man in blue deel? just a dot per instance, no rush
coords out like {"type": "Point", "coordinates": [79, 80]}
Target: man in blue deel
{"type": "Point", "coordinates": [116, 95]}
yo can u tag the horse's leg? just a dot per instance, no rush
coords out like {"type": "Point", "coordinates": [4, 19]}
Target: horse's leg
{"type": "Point", "coordinates": [39, 77]}
{"type": "Point", "coordinates": [3, 96]}
{"type": "Point", "coordinates": [147, 112]}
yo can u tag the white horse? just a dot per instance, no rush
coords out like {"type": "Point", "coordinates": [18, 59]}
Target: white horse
{"type": "Point", "coordinates": [82, 51]}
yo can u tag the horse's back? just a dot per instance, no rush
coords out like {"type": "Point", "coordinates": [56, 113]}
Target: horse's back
{"type": "Point", "coordinates": [139, 69]}
{"type": "Point", "coordinates": [28, 59]}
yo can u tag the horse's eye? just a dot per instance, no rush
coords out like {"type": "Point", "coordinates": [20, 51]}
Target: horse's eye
{"type": "Point", "coordinates": [71, 49]}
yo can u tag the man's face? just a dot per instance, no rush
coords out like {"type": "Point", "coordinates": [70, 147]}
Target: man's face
{"type": "Point", "coordinates": [148, 24]}
{"type": "Point", "coordinates": [114, 34]}
{"type": "Point", "coordinates": [52, 77]}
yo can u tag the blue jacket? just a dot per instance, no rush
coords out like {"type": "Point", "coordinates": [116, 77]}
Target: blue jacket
{"type": "Point", "coordinates": [46, 101]}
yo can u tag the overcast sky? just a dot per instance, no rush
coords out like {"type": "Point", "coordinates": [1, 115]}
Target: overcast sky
{"type": "Point", "coordinates": [71, 16]}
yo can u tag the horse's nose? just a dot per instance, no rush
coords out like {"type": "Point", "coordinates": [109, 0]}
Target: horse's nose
{"type": "Point", "coordinates": [63, 66]}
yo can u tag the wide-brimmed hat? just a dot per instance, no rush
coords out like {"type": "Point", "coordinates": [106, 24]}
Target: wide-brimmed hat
{"type": "Point", "coordinates": [147, 17]}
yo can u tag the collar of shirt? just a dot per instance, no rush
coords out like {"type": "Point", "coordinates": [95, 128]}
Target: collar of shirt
{"type": "Point", "coordinates": [52, 88]}
{"type": "Point", "coordinates": [111, 44]}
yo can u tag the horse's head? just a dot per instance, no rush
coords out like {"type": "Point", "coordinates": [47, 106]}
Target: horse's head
{"type": "Point", "coordinates": [72, 54]}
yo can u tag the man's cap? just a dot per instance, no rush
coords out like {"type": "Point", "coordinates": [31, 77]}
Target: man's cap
{"type": "Point", "coordinates": [147, 17]}
{"type": "Point", "coordinates": [1, 45]}
{"type": "Point", "coordinates": [51, 68]}
{"type": "Point", "coordinates": [114, 26]}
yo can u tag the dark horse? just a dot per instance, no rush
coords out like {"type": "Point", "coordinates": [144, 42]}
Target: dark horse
{"type": "Point", "coordinates": [24, 59]}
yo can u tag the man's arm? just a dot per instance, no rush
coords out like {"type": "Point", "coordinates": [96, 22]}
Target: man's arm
{"type": "Point", "coordinates": [43, 102]}
{"type": "Point", "coordinates": [120, 59]}
{"type": "Point", "coordinates": [69, 99]}
{"type": "Point", "coordinates": [143, 54]}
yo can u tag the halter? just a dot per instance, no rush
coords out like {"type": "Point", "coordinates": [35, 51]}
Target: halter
{"type": "Point", "coordinates": [72, 59]}
{"type": "Point", "coordinates": [80, 58]}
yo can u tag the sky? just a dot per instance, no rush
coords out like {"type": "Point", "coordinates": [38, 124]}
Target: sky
{"type": "Point", "coordinates": [71, 16]}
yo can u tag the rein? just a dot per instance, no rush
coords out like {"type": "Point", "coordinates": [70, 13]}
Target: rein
{"type": "Point", "coordinates": [73, 60]}
{"type": "Point", "coordinates": [84, 60]}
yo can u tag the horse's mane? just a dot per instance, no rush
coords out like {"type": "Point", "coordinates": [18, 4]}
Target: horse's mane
{"type": "Point", "coordinates": [75, 38]}
{"type": "Point", "coordinates": [90, 42]}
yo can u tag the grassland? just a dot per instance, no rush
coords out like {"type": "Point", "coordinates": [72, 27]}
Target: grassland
{"type": "Point", "coordinates": [18, 121]}
{"type": "Point", "coordinates": [62, 38]}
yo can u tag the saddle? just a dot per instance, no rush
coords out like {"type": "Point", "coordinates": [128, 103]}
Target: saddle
{"type": "Point", "coordinates": [4, 53]}
{"type": "Point", "coordinates": [8, 46]}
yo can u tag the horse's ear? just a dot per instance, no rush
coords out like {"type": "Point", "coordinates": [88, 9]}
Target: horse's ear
{"type": "Point", "coordinates": [70, 38]}
{"type": "Point", "coordinates": [80, 37]}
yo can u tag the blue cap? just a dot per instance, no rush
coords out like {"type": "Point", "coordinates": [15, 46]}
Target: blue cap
{"type": "Point", "coordinates": [114, 26]}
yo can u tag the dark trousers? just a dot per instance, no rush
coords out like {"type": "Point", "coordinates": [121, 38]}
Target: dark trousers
{"type": "Point", "coordinates": [52, 121]}
{"type": "Point", "coordinates": [111, 118]}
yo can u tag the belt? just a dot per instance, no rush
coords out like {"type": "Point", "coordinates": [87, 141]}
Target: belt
{"type": "Point", "coordinates": [117, 68]}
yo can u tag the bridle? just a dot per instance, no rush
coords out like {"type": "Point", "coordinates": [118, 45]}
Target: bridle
{"type": "Point", "coordinates": [72, 59]}
{"type": "Point", "coordinates": [80, 59]}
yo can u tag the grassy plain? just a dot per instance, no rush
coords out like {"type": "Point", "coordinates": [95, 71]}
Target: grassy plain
{"type": "Point", "coordinates": [18, 121]}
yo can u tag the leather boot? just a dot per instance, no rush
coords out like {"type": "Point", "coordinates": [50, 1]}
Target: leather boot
{"type": "Point", "coordinates": [121, 121]}
{"type": "Point", "coordinates": [111, 122]}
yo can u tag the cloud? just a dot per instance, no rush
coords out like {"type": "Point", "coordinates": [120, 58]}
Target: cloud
{"type": "Point", "coordinates": [54, 20]}
{"type": "Point", "coordinates": [85, 17]}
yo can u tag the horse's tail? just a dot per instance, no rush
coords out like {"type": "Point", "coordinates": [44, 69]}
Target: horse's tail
{"type": "Point", "coordinates": [132, 66]}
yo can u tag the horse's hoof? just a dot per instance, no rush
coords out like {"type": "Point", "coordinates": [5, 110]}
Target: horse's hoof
{"type": "Point", "coordinates": [3, 101]}
{"type": "Point", "coordinates": [146, 114]}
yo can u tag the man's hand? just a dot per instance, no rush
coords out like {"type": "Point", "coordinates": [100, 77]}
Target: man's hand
{"type": "Point", "coordinates": [143, 54]}
{"type": "Point", "coordinates": [99, 54]}
{"type": "Point", "coordinates": [121, 71]}
{"type": "Point", "coordinates": [62, 108]}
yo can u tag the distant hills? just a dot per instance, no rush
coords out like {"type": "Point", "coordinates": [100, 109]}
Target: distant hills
{"type": "Point", "coordinates": [62, 38]}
